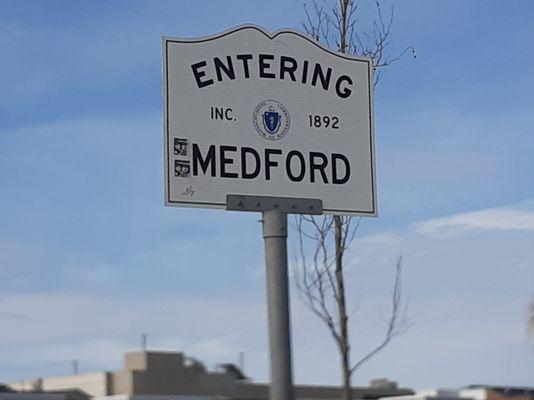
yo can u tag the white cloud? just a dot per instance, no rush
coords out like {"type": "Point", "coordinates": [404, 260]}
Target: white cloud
{"type": "Point", "coordinates": [382, 239]}
{"type": "Point", "coordinates": [494, 219]}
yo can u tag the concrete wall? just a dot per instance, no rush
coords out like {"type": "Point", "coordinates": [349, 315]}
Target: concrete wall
{"type": "Point", "coordinates": [26, 385]}
{"type": "Point", "coordinates": [94, 384]}
{"type": "Point", "coordinates": [160, 373]}
{"type": "Point", "coordinates": [121, 383]}
{"type": "Point", "coordinates": [153, 361]}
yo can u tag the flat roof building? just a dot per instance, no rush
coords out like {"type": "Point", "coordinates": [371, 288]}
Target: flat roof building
{"type": "Point", "coordinates": [172, 376]}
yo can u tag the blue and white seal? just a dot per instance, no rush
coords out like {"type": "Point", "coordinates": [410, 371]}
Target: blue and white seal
{"type": "Point", "coordinates": [271, 119]}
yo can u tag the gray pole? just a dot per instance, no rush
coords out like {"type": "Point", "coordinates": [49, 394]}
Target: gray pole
{"type": "Point", "coordinates": [74, 367]}
{"type": "Point", "coordinates": [143, 341]}
{"type": "Point", "coordinates": [275, 238]}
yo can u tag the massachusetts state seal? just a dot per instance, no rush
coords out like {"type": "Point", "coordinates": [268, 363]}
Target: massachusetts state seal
{"type": "Point", "coordinates": [271, 119]}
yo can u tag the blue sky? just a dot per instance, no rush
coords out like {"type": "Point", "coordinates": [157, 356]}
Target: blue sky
{"type": "Point", "coordinates": [90, 258]}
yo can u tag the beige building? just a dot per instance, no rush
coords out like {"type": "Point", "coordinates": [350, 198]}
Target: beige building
{"type": "Point", "coordinates": [172, 376]}
{"type": "Point", "coordinates": [473, 392]}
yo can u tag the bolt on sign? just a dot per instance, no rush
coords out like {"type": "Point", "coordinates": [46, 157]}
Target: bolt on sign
{"type": "Point", "coordinates": [248, 112]}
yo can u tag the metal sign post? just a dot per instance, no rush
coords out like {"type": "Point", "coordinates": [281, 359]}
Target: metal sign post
{"type": "Point", "coordinates": [274, 211]}
{"type": "Point", "coordinates": [275, 238]}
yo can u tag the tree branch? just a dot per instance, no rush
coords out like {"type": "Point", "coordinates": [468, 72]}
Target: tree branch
{"type": "Point", "coordinates": [397, 322]}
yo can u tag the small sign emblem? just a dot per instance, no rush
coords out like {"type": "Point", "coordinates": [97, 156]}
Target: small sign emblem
{"type": "Point", "coordinates": [182, 168]}
{"type": "Point", "coordinates": [271, 119]}
{"type": "Point", "coordinates": [180, 147]}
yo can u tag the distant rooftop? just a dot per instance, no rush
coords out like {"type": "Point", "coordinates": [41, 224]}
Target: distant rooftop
{"type": "Point", "coordinates": [506, 390]}
{"type": "Point", "coordinates": [162, 373]}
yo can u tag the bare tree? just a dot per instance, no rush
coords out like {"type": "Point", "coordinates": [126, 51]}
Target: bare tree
{"type": "Point", "coordinates": [337, 27]}
{"type": "Point", "coordinates": [321, 281]}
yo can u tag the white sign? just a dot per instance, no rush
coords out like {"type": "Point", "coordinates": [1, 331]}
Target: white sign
{"type": "Point", "coordinates": [248, 112]}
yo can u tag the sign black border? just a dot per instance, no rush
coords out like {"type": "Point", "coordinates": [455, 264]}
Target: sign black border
{"type": "Point", "coordinates": [271, 37]}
